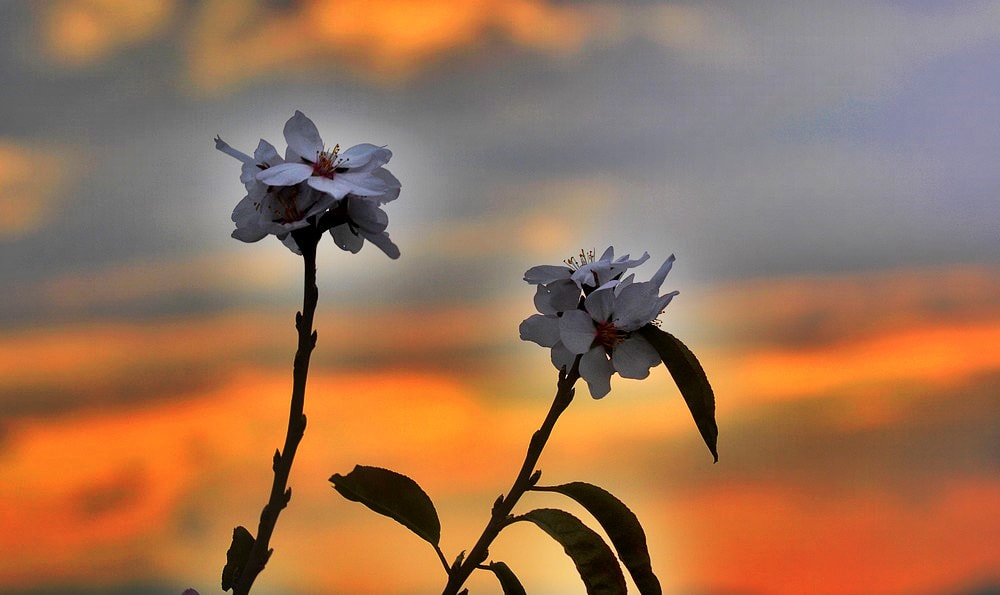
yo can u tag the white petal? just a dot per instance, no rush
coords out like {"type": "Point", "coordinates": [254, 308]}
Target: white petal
{"type": "Point", "coordinates": [363, 183]}
{"type": "Point", "coordinates": [661, 274]}
{"type": "Point", "coordinates": [391, 184]}
{"type": "Point", "coordinates": [543, 300]}
{"type": "Point", "coordinates": [635, 306]}
{"type": "Point", "coordinates": [346, 239]}
{"type": "Point", "coordinates": [367, 215]}
{"type": "Point", "coordinates": [314, 203]}
{"type": "Point", "coordinates": [564, 295]}
{"type": "Point", "coordinates": [289, 243]}
{"type": "Point", "coordinates": [561, 357]}
{"type": "Point", "coordinates": [599, 303]}
{"type": "Point", "coordinates": [364, 157]}
{"type": "Point", "coordinates": [577, 331]}
{"type": "Point", "coordinates": [623, 264]}
{"type": "Point", "coordinates": [540, 329]}
{"type": "Point", "coordinates": [633, 357]}
{"type": "Point", "coordinates": [302, 137]}
{"type": "Point", "coordinates": [266, 153]}
{"type": "Point", "coordinates": [249, 234]}
{"type": "Point", "coordinates": [334, 188]}
{"type": "Point", "coordinates": [546, 273]}
{"type": "Point", "coordinates": [225, 148]}
{"type": "Point", "coordinates": [285, 174]}
{"type": "Point", "coordinates": [382, 241]}
{"type": "Point", "coordinates": [596, 370]}
{"type": "Point", "coordinates": [609, 253]}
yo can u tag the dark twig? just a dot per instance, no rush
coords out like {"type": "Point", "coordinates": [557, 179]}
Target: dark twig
{"type": "Point", "coordinates": [526, 478]}
{"type": "Point", "coordinates": [307, 239]}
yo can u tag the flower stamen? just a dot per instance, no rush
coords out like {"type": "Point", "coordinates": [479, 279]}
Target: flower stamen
{"type": "Point", "coordinates": [585, 257]}
{"type": "Point", "coordinates": [327, 163]}
{"type": "Point", "coordinates": [608, 335]}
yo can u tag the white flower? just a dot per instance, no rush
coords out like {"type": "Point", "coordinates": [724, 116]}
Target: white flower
{"type": "Point", "coordinates": [276, 210]}
{"type": "Point", "coordinates": [357, 171]}
{"type": "Point", "coordinates": [366, 221]}
{"type": "Point", "coordinates": [602, 329]}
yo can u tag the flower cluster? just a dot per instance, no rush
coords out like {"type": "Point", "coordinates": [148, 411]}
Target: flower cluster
{"type": "Point", "coordinates": [587, 309]}
{"type": "Point", "coordinates": [294, 191]}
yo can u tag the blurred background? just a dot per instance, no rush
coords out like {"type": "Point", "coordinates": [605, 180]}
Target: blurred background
{"type": "Point", "coordinates": [825, 172]}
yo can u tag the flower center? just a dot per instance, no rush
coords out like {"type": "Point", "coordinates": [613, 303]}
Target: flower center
{"type": "Point", "coordinates": [326, 163]}
{"type": "Point", "coordinates": [584, 258]}
{"type": "Point", "coordinates": [608, 335]}
{"type": "Point", "coordinates": [285, 206]}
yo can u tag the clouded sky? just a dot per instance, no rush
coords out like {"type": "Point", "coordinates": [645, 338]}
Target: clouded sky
{"type": "Point", "coordinates": [825, 173]}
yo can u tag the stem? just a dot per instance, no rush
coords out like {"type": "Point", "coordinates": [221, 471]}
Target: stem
{"type": "Point", "coordinates": [526, 478]}
{"type": "Point", "coordinates": [307, 239]}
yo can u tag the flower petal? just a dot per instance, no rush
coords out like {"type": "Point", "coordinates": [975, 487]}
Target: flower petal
{"type": "Point", "coordinates": [382, 241]}
{"type": "Point", "coordinates": [302, 137]}
{"type": "Point", "coordinates": [249, 234]}
{"type": "Point", "coordinates": [596, 370]}
{"type": "Point", "coordinates": [546, 273]}
{"type": "Point", "coordinates": [599, 303]}
{"type": "Point", "coordinates": [367, 215]}
{"type": "Point", "coordinates": [635, 306]}
{"type": "Point", "coordinates": [543, 300]}
{"type": "Point", "coordinates": [540, 329]}
{"type": "Point", "coordinates": [563, 295]}
{"type": "Point", "coordinates": [392, 185]}
{"type": "Point", "coordinates": [561, 357]}
{"type": "Point", "coordinates": [285, 174]}
{"type": "Point", "coordinates": [290, 243]}
{"type": "Point", "coordinates": [661, 274]}
{"type": "Point", "coordinates": [364, 157]}
{"type": "Point", "coordinates": [577, 331]}
{"type": "Point", "coordinates": [335, 187]}
{"type": "Point", "coordinates": [225, 148]}
{"type": "Point", "coordinates": [363, 183]}
{"type": "Point", "coordinates": [346, 239]}
{"type": "Point", "coordinates": [633, 357]}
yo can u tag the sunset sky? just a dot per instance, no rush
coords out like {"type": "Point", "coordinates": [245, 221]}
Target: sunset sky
{"type": "Point", "coordinates": [826, 174]}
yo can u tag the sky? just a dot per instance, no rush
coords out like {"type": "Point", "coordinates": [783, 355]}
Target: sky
{"type": "Point", "coordinates": [824, 172]}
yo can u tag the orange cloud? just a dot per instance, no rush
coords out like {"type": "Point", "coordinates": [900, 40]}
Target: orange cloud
{"type": "Point", "coordinates": [83, 32]}
{"type": "Point", "coordinates": [30, 185]}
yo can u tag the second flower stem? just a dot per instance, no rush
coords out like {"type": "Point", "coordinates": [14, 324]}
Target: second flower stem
{"type": "Point", "coordinates": [307, 239]}
{"type": "Point", "coordinates": [526, 477]}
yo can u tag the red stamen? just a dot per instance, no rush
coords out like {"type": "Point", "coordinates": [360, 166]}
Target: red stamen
{"type": "Point", "coordinates": [607, 335]}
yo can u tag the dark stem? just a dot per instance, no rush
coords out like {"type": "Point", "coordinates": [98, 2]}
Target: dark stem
{"type": "Point", "coordinates": [307, 239]}
{"type": "Point", "coordinates": [526, 478]}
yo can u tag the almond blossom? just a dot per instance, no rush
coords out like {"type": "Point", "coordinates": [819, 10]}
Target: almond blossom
{"type": "Point", "coordinates": [357, 171]}
{"type": "Point", "coordinates": [600, 328]}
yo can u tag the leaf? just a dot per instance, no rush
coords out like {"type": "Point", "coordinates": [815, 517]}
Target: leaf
{"type": "Point", "coordinates": [393, 495]}
{"type": "Point", "coordinates": [236, 557]}
{"type": "Point", "coordinates": [508, 581]}
{"type": "Point", "coordinates": [594, 560]}
{"type": "Point", "coordinates": [690, 379]}
{"type": "Point", "coordinates": [622, 527]}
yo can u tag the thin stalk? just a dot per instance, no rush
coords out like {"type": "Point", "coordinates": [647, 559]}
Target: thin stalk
{"type": "Point", "coordinates": [307, 239]}
{"type": "Point", "coordinates": [526, 478]}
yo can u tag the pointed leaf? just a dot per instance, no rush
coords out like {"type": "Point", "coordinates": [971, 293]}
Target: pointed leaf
{"type": "Point", "coordinates": [393, 495]}
{"type": "Point", "coordinates": [622, 527]}
{"type": "Point", "coordinates": [690, 379]}
{"type": "Point", "coordinates": [594, 560]}
{"type": "Point", "coordinates": [236, 557]}
{"type": "Point", "coordinates": [508, 581]}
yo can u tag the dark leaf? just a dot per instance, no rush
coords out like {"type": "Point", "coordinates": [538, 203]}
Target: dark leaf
{"type": "Point", "coordinates": [622, 527]}
{"type": "Point", "coordinates": [690, 379]}
{"type": "Point", "coordinates": [236, 557]}
{"type": "Point", "coordinates": [393, 495]}
{"type": "Point", "coordinates": [508, 581]}
{"type": "Point", "coordinates": [594, 560]}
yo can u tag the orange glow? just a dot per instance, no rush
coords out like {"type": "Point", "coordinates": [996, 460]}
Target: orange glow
{"type": "Point", "coordinates": [83, 32]}
{"type": "Point", "coordinates": [154, 487]}
{"type": "Point", "coordinates": [27, 198]}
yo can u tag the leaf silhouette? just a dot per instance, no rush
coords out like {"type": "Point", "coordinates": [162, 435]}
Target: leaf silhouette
{"type": "Point", "coordinates": [393, 495]}
{"type": "Point", "coordinates": [690, 379]}
{"type": "Point", "coordinates": [622, 527]}
{"type": "Point", "coordinates": [508, 581]}
{"type": "Point", "coordinates": [594, 560]}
